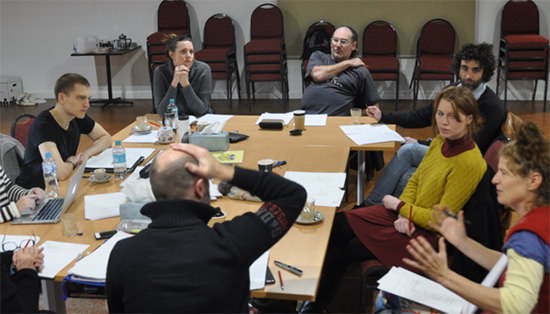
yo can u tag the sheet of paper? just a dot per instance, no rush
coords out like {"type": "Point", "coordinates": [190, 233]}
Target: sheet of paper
{"type": "Point", "coordinates": [214, 193]}
{"type": "Point", "coordinates": [363, 134]}
{"type": "Point", "coordinates": [57, 255]}
{"type": "Point", "coordinates": [133, 177]}
{"type": "Point", "coordinates": [286, 117]}
{"type": "Point", "coordinates": [409, 285]}
{"type": "Point", "coordinates": [17, 240]}
{"type": "Point", "coordinates": [316, 119]}
{"type": "Point", "coordinates": [257, 272]}
{"type": "Point", "coordinates": [94, 266]}
{"type": "Point", "coordinates": [142, 138]}
{"type": "Point", "coordinates": [325, 187]}
{"type": "Point", "coordinates": [105, 158]}
{"type": "Point", "coordinates": [229, 157]}
{"type": "Point", "coordinates": [211, 118]}
{"type": "Point", "coordinates": [101, 206]}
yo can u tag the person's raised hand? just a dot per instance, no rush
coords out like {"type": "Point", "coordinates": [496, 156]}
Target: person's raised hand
{"type": "Point", "coordinates": [452, 229]}
{"type": "Point", "coordinates": [208, 166]}
{"type": "Point", "coordinates": [432, 263]}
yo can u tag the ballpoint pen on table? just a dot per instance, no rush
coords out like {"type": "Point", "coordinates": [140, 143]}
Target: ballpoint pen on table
{"type": "Point", "coordinates": [290, 268]}
{"type": "Point", "coordinates": [281, 280]}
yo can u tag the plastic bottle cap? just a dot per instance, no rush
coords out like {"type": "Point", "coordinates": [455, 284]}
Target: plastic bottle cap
{"type": "Point", "coordinates": [48, 155]}
{"type": "Point", "coordinates": [117, 143]}
{"type": "Point", "coordinates": [171, 99]}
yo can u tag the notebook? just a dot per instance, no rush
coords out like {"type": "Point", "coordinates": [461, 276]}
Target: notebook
{"type": "Point", "coordinates": [49, 211]}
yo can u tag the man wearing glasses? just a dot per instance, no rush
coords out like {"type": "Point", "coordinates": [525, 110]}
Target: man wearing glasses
{"type": "Point", "coordinates": [339, 81]}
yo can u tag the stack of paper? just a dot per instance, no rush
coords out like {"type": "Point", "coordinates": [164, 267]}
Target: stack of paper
{"type": "Point", "coordinates": [363, 134]}
{"type": "Point", "coordinates": [94, 266]}
{"type": "Point", "coordinates": [101, 206]}
{"type": "Point", "coordinates": [57, 255]}
{"type": "Point", "coordinates": [325, 187]}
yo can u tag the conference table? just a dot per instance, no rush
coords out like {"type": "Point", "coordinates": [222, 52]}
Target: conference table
{"type": "Point", "coordinates": [318, 149]}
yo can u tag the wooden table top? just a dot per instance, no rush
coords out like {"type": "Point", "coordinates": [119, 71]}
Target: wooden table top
{"type": "Point", "coordinates": [320, 149]}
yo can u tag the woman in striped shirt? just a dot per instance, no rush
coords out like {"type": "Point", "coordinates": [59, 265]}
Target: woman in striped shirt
{"type": "Point", "coordinates": [15, 199]}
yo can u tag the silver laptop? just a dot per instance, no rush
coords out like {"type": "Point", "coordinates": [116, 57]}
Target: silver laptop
{"type": "Point", "coordinates": [49, 211]}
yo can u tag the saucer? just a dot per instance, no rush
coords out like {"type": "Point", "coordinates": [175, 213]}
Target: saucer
{"type": "Point", "coordinates": [318, 217]}
{"type": "Point", "coordinates": [147, 130]}
{"type": "Point", "coordinates": [107, 178]}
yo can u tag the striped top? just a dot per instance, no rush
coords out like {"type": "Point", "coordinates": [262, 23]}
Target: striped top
{"type": "Point", "coordinates": [10, 193]}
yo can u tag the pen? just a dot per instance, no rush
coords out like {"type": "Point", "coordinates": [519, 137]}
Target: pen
{"type": "Point", "coordinates": [137, 163]}
{"type": "Point", "coordinates": [281, 280]}
{"type": "Point", "coordinates": [448, 213]}
{"type": "Point", "coordinates": [279, 163]}
{"type": "Point", "coordinates": [290, 268]}
{"type": "Point", "coordinates": [155, 124]}
{"type": "Point", "coordinates": [410, 217]}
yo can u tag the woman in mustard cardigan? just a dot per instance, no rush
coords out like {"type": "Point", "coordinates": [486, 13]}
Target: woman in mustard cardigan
{"type": "Point", "coordinates": [448, 174]}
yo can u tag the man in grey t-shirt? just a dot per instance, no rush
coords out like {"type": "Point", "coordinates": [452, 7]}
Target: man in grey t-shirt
{"type": "Point", "coordinates": [339, 81]}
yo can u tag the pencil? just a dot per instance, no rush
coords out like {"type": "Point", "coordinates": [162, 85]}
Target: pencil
{"type": "Point", "coordinates": [410, 218]}
{"type": "Point", "coordinates": [281, 280]}
{"type": "Point", "coordinates": [28, 241]}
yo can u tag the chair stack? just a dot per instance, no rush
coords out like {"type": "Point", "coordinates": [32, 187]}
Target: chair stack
{"type": "Point", "coordinates": [380, 53]}
{"type": "Point", "coordinates": [434, 54]}
{"type": "Point", "coordinates": [219, 51]}
{"type": "Point", "coordinates": [173, 17]}
{"type": "Point", "coordinates": [265, 54]}
{"type": "Point", "coordinates": [523, 53]}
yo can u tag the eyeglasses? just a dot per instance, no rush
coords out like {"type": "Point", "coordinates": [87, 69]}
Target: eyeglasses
{"type": "Point", "coordinates": [342, 41]}
{"type": "Point", "coordinates": [11, 245]}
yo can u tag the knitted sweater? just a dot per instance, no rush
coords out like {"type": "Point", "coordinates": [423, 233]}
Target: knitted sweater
{"type": "Point", "coordinates": [9, 194]}
{"type": "Point", "coordinates": [179, 264]}
{"type": "Point", "coordinates": [441, 180]}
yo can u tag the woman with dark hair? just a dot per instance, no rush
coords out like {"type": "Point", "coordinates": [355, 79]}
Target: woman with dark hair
{"type": "Point", "coordinates": [449, 173]}
{"type": "Point", "coordinates": [184, 79]}
{"type": "Point", "coordinates": [522, 183]}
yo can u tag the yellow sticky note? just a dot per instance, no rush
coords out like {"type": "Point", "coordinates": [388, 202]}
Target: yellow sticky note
{"type": "Point", "coordinates": [229, 157]}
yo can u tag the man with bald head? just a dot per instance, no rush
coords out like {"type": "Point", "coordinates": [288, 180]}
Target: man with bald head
{"type": "Point", "coordinates": [179, 264]}
{"type": "Point", "coordinates": [339, 81]}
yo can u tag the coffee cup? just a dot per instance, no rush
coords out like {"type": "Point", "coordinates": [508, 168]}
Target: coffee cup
{"type": "Point", "coordinates": [141, 122]}
{"type": "Point", "coordinates": [265, 165]}
{"type": "Point", "coordinates": [355, 115]}
{"type": "Point", "coordinates": [299, 119]}
{"type": "Point", "coordinates": [100, 174]}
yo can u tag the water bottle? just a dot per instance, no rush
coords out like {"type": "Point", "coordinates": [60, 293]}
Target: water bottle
{"type": "Point", "coordinates": [49, 169]}
{"type": "Point", "coordinates": [119, 161]}
{"type": "Point", "coordinates": [183, 129]}
{"type": "Point", "coordinates": [171, 115]}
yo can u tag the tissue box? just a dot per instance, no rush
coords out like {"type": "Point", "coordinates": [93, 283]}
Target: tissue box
{"type": "Point", "coordinates": [212, 142]}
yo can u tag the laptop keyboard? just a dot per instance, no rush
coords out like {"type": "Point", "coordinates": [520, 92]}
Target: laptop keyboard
{"type": "Point", "coordinates": [50, 210]}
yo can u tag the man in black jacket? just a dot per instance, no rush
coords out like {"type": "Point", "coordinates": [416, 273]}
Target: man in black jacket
{"type": "Point", "coordinates": [179, 264]}
{"type": "Point", "coordinates": [475, 65]}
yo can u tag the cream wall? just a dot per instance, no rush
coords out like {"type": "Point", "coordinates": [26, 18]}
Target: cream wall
{"type": "Point", "coordinates": [36, 39]}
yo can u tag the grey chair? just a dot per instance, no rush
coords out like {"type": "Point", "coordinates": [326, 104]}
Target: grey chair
{"type": "Point", "coordinates": [11, 155]}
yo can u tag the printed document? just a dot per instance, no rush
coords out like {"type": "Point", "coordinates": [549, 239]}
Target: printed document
{"type": "Point", "coordinates": [325, 187]}
{"type": "Point", "coordinates": [363, 134]}
{"type": "Point", "coordinates": [101, 206]}
{"type": "Point", "coordinates": [57, 255]}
